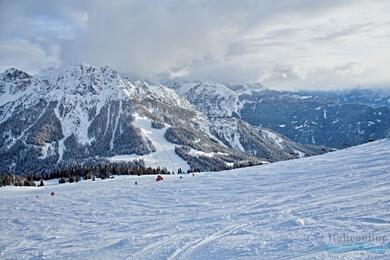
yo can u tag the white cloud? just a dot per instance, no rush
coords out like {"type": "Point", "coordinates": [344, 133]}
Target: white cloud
{"type": "Point", "coordinates": [179, 73]}
{"type": "Point", "coordinates": [292, 44]}
{"type": "Point", "coordinates": [27, 56]}
{"type": "Point", "coordinates": [351, 68]}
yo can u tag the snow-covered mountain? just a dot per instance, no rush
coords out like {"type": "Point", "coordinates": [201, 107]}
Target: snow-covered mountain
{"type": "Point", "coordinates": [211, 98]}
{"type": "Point", "coordinates": [333, 206]}
{"type": "Point", "coordinates": [84, 112]}
{"type": "Point", "coordinates": [222, 104]}
{"type": "Point", "coordinates": [329, 118]}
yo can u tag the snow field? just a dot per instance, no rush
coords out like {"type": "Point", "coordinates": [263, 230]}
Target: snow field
{"type": "Point", "coordinates": [293, 209]}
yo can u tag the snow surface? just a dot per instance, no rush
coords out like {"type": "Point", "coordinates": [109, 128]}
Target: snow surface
{"type": "Point", "coordinates": [164, 156]}
{"type": "Point", "coordinates": [312, 208]}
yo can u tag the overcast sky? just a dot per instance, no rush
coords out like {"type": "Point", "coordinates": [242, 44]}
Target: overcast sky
{"type": "Point", "coordinates": [283, 44]}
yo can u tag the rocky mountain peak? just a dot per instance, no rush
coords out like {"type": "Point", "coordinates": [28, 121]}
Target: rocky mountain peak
{"type": "Point", "coordinates": [85, 79]}
{"type": "Point", "coordinates": [13, 81]}
{"type": "Point", "coordinates": [13, 74]}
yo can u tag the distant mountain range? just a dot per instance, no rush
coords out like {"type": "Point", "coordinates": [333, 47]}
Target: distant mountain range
{"type": "Point", "coordinates": [85, 113]}
{"type": "Point", "coordinates": [335, 119]}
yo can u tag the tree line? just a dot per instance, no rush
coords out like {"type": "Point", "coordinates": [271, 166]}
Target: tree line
{"type": "Point", "coordinates": [90, 171]}
{"type": "Point", "coordinates": [78, 172]}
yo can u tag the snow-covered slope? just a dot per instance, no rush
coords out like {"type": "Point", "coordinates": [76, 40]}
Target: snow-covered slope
{"type": "Point", "coordinates": [164, 156]}
{"type": "Point", "coordinates": [333, 206]}
{"type": "Point", "coordinates": [260, 142]}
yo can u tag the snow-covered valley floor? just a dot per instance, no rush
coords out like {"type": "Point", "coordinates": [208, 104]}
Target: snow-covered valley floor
{"type": "Point", "coordinates": [331, 206]}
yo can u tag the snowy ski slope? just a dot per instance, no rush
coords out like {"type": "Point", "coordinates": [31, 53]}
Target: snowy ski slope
{"type": "Point", "coordinates": [334, 206]}
{"type": "Point", "coordinates": [163, 157]}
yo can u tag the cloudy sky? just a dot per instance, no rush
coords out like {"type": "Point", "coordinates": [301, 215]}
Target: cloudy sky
{"type": "Point", "coordinates": [279, 43]}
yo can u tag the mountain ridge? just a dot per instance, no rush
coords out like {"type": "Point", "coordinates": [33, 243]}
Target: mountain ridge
{"type": "Point", "coordinates": [83, 112]}
{"type": "Point", "coordinates": [327, 118]}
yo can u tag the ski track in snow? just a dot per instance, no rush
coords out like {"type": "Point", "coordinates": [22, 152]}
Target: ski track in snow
{"type": "Point", "coordinates": [276, 211]}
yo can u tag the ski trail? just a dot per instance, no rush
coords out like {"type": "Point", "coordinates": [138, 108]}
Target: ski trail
{"type": "Point", "coordinates": [191, 246]}
{"type": "Point", "coordinates": [158, 244]}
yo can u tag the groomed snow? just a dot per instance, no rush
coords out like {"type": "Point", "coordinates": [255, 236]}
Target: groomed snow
{"type": "Point", "coordinates": [334, 206]}
{"type": "Point", "coordinates": [164, 156]}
